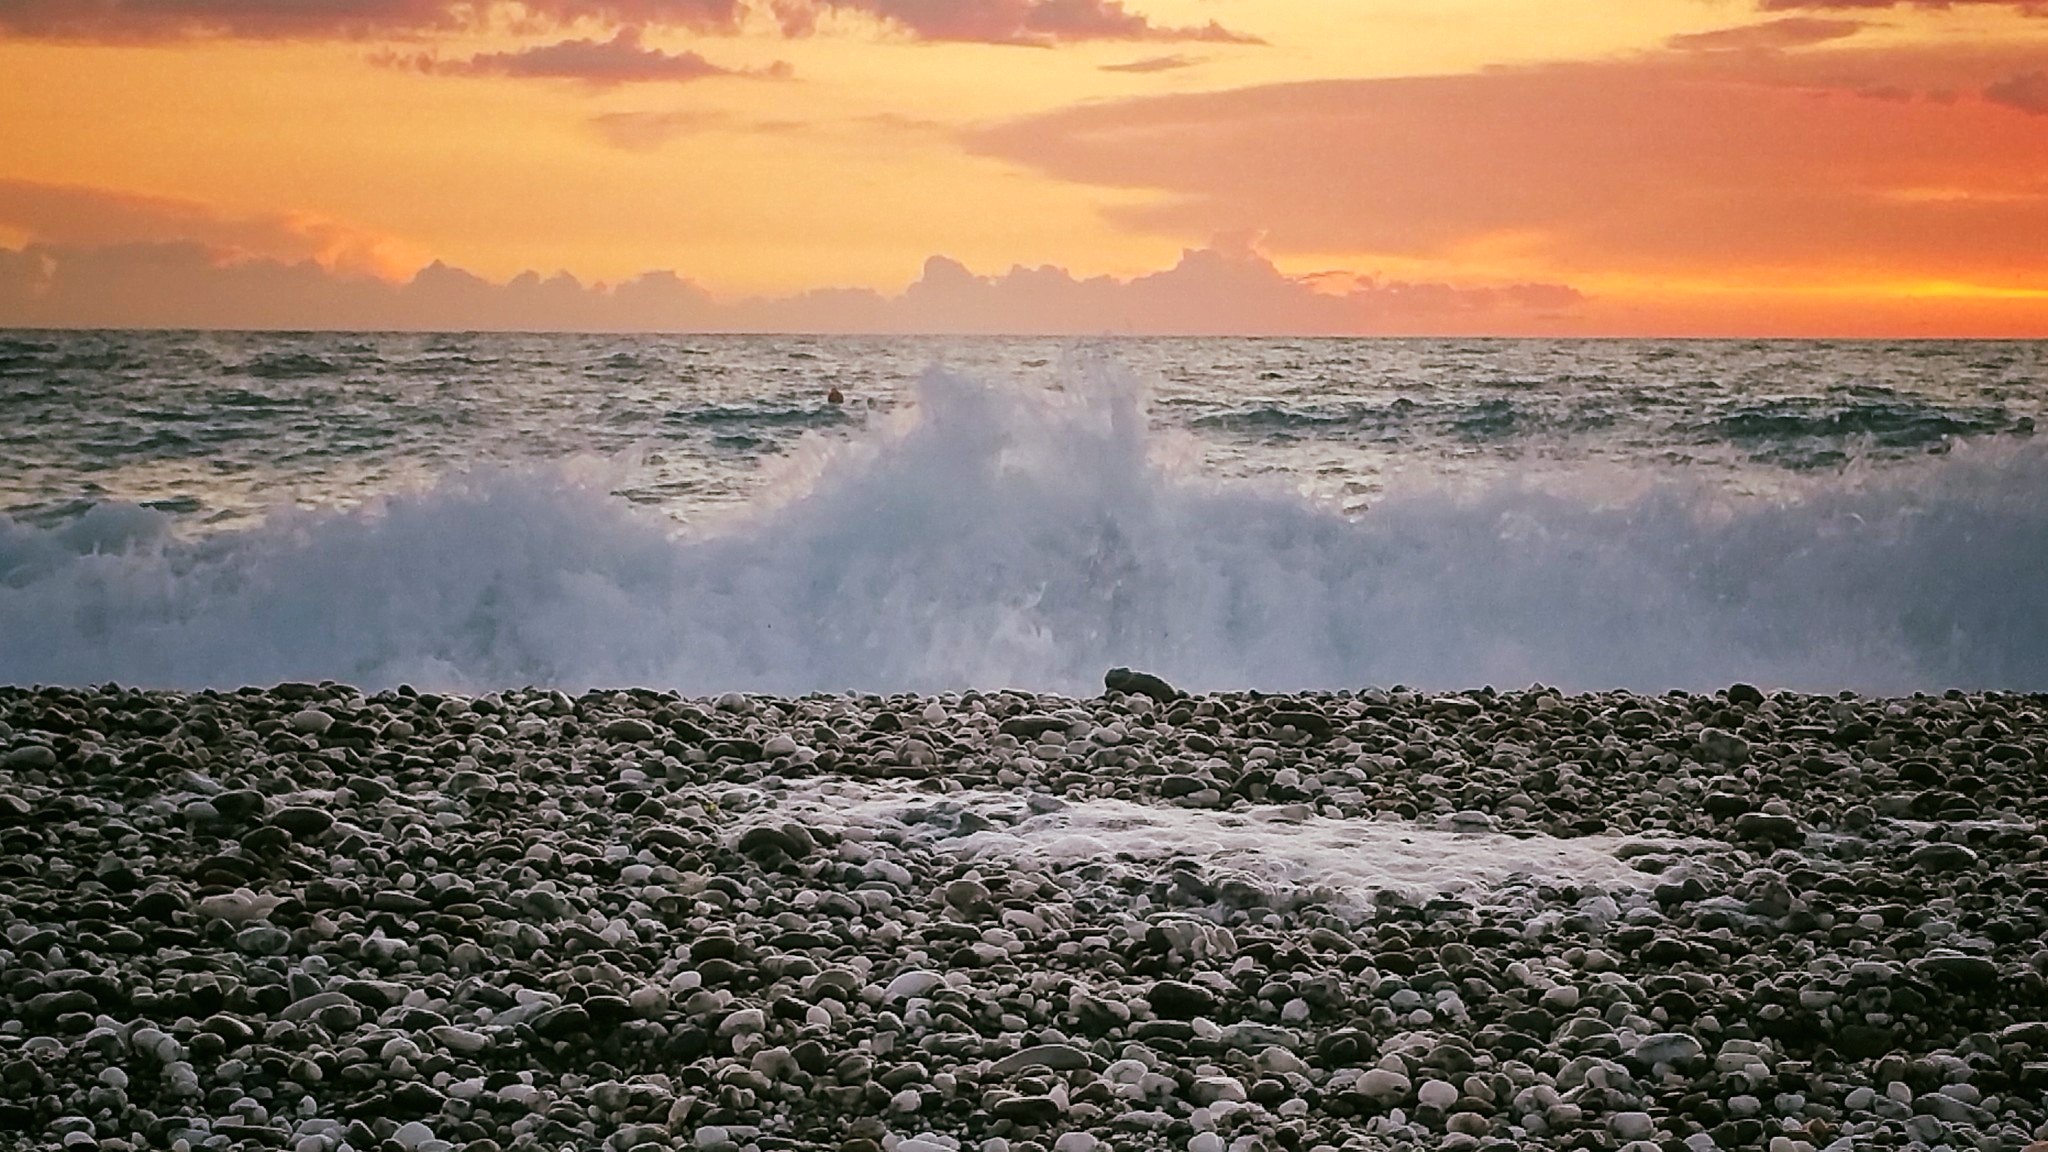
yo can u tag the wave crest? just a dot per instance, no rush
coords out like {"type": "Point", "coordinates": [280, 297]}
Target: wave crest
{"type": "Point", "coordinates": [996, 537]}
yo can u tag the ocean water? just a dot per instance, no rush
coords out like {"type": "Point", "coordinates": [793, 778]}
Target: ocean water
{"type": "Point", "coordinates": [691, 512]}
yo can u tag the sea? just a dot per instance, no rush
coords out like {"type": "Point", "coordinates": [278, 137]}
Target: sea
{"type": "Point", "coordinates": [795, 514]}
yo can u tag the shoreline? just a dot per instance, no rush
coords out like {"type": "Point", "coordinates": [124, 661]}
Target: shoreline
{"type": "Point", "coordinates": [309, 918]}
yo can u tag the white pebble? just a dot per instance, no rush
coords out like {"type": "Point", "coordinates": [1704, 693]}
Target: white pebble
{"type": "Point", "coordinates": [1436, 1094]}
{"type": "Point", "coordinates": [915, 982]}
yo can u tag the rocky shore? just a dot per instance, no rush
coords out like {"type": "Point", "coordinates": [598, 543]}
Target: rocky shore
{"type": "Point", "coordinates": [305, 917]}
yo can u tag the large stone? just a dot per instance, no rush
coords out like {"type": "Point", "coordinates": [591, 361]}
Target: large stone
{"type": "Point", "coordinates": [1179, 1000]}
{"type": "Point", "coordinates": [629, 730]}
{"type": "Point", "coordinates": [1667, 1048]}
{"type": "Point", "coordinates": [1726, 747]}
{"type": "Point", "coordinates": [1383, 1085]}
{"type": "Point", "coordinates": [1941, 856]}
{"type": "Point", "coordinates": [1034, 1111]}
{"type": "Point", "coordinates": [569, 1020]}
{"type": "Point", "coordinates": [1768, 827]}
{"type": "Point", "coordinates": [31, 757]}
{"type": "Point", "coordinates": [1139, 684]}
{"type": "Point", "coordinates": [915, 982]}
{"type": "Point", "coordinates": [303, 821]}
{"type": "Point", "coordinates": [1057, 1057]}
{"type": "Point", "coordinates": [1958, 968]}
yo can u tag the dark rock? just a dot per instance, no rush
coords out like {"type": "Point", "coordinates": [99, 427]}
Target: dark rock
{"type": "Point", "coordinates": [1178, 1000]}
{"type": "Point", "coordinates": [50, 1005]}
{"type": "Point", "coordinates": [1766, 827]}
{"type": "Point", "coordinates": [1314, 724]}
{"type": "Point", "coordinates": [789, 839]}
{"type": "Point", "coordinates": [1139, 684]}
{"type": "Point", "coordinates": [1957, 969]}
{"type": "Point", "coordinates": [563, 1023]}
{"type": "Point", "coordinates": [1031, 727]}
{"type": "Point", "coordinates": [160, 904]}
{"type": "Point", "coordinates": [628, 730]}
{"type": "Point", "coordinates": [395, 900]}
{"type": "Point", "coordinates": [302, 821]}
{"type": "Point", "coordinates": [1033, 1111]}
{"type": "Point", "coordinates": [1722, 805]}
{"type": "Point", "coordinates": [1942, 857]}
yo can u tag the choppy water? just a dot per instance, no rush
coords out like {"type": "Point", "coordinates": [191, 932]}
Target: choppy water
{"type": "Point", "coordinates": [474, 510]}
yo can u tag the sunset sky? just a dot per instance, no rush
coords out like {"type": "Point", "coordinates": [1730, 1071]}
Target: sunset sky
{"type": "Point", "coordinates": [1744, 167]}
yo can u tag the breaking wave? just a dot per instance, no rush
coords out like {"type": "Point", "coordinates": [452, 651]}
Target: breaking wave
{"type": "Point", "coordinates": [991, 536]}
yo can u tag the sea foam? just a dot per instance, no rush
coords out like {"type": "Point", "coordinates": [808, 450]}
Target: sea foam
{"type": "Point", "coordinates": [1000, 536]}
{"type": "Point", "coordinates": [1285, 851]}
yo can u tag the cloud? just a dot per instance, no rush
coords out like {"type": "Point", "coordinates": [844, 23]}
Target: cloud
{"type": "Point", "coordinates": [1154, 64]}
{"type": "Point", "coordinates": [2027, 92]}
{"type": "Point", "coordinates": [1228, 287]}
{"type": "Point", "coordinates": [129, 21]}
{"type": "Point", "coordinates": [1768, 169]}
{"type": "Point", "coordinates": [647, 131]}
{"type": "Point", "coordinates": [184, 284]}
{"type": "Point", "coordinates": [623, 59]}
{"type": "Point", "coordinates": [1032, 22]}
{"type": "Point", "coordinates": [1772, 35]}
{"type": "Point", "coordinates": [2024, 7]}
{"type": "Point", "coordinates": [1039, 22]}
{"type": "Point", "coordinates": [74, 216]}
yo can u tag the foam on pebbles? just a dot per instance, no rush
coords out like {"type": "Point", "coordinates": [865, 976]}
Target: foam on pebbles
{"type": "Point", "coordinates": [1000, 922]}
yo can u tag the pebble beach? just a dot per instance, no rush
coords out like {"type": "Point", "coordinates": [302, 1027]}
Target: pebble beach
{"type": "Point", "coordinates": [312, 918]}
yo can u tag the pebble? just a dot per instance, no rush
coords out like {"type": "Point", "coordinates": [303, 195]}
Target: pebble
{"type": "Point", "coordinates": [31, 758]}
{"type": "Point", "coordinates": [916, 982]}
{"type": "Point", "coordinates": [310, 916]}
{"type": "Point", "coordinates": [1384, 1085]}
{"type": "Point", "coordinates": [1057, 1057]}
{"type": "Point", "coordinates": [1436, 1094]}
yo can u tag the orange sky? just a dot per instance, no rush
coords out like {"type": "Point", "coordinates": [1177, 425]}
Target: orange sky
{"type": "Point", "coordinates": [1741, 167]}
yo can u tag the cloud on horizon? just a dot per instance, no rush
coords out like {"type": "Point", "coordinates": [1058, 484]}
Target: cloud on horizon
{"type": "Point", "coordinates": [2026, 92]}
{"type": "Point", "coordinates": [623, 59]}
{"type": "Point", "coordinates": [1227, 288]}
{"type": "Point", "coordinates": [74, 216]}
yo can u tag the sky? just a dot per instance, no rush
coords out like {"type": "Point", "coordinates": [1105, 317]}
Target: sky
{"type": "Point", "coordinates": [1413, 167]}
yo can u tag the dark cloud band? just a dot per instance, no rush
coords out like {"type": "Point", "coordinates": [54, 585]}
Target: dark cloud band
{"type": "Point", "coordinates": [1036, 22]}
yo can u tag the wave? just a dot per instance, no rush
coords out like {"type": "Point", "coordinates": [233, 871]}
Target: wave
{"type": "Point", "coordinates": [289, 366]}
{"type": "Point", "coordinates": [992, 536]}
{"type": "Point", "coordinates": [761, 416]}
{"type": "Point", "coordinates": [1807, 432]}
